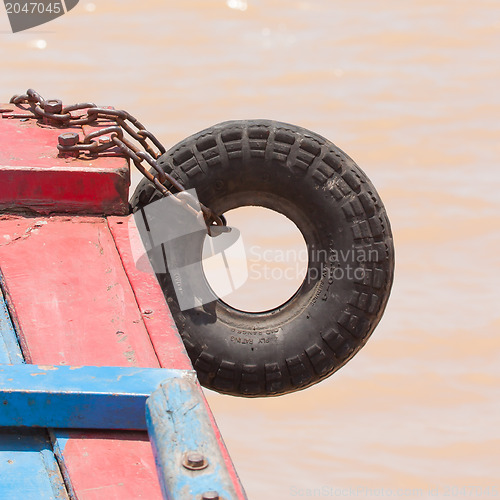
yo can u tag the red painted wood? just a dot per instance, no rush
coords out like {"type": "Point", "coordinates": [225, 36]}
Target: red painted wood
{"type": "Point", "coordinates": [77, 296]}
{"type": "Point", "coordinates": [73, 300]}
{"type": "Point", "coordinates": [159, 322]}
{"type": "Point", "coordinates": [34, 176]}
{"type": "Point", "coordinates": [73, 304]}
{"type": "Point", "coordinates": [107, 465]}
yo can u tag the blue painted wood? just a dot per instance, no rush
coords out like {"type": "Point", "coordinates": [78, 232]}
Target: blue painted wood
{"type": "Point", "coordinates": [85, 397]}
{"type": "Point", "coordinates": [178, 409]}
{"type": "Point", "coordinates": [102, 397]}
{"type": "Point", "coordinates": [9, 347]}
{"type": "Point", "coordinates": [28, 468]}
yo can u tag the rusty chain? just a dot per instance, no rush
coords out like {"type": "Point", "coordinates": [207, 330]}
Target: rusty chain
{"type": "Point", "coordinates": [53, 112]}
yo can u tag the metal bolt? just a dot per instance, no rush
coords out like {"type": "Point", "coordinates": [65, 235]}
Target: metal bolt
{"type": "Point", "coordinates": [53, 106]}
{"type": "Point", "coordinates": [210, 495]}
{"type": "Point", "coordinates": [105, 139]}
{"type": "Point", "coordinates": [194, 461]}
{"type": "Point", "coordinates": [68, 139]}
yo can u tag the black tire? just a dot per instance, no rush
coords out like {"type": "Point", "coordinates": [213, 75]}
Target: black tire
{"type": "Point", "coordinates": [308, 179]}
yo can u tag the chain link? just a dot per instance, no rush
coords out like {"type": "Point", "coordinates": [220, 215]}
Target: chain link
{"type": "Point", "coordinates": [52, 111]}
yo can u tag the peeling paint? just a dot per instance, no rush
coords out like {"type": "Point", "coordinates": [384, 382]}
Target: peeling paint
{"type": "Point", "coordinates": [27, 233]}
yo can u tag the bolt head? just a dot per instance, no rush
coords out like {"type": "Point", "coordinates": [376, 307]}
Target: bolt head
{"type": "Point", "coordinates": [210, 495]}
{"type": "Point", "coordinates": [105, 139]}
{"type": "Point", "coordinates": [68, 139]}
{"type": "Point", "coordinates": [53, 106]}
{"type": "Point", "coordinates": [194, 461]}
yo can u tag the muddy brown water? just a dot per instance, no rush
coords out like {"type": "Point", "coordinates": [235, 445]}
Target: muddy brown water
{"type": "Point", "coordinates": [410, 91]}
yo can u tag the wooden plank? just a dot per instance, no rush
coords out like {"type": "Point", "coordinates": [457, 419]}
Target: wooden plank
{"type": "Point", "coordinates": [70, 287]}
{"type": "Point", "coordinates": [10, 353]}
{"type": "Point", "coordinates": [72, 298]}
{"type": "Point", "coordinates": [109, 465]}
{"type": "Point", "coordinates": [178, 408]}
{"type": "Point", "coordinates": [34, 176]}
{"type": "Point", "coordinates": [161, 327]}
{"type": "Point", "coordinates": [28, 468]}
{"type": "Point", "coordinates": [79, 397]}
{"type": "Point", "coordinates": [74, 305]}
{"type": "Point", "coordinates": [160, 324]}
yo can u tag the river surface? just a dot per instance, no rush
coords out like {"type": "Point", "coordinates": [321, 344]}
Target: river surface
{"type": "Point", "coordinates": [410, 91]}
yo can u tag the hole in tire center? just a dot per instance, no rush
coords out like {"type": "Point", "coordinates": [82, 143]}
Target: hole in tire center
{"type": "Point", "coordinates": [264, 268]}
